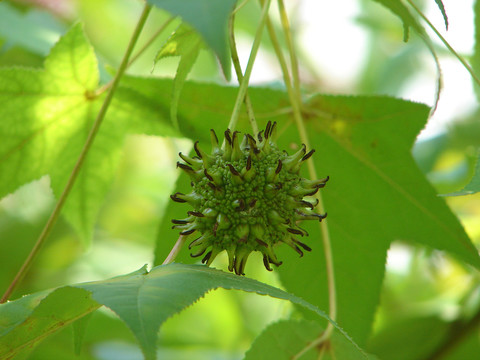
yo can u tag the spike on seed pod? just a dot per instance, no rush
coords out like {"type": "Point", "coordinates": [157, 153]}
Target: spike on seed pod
{"type": "Point", "coordinates": [246, 197]}
{"type": "Point", "coordinates": [193, 162]}
{"type": "Point", "coordinates": [267, 129]}
{"type": "Point", "coordinates": [304, 246]}
{"type": "Point", "coordinates": [308, 155]}
{"type": "Point", "coordinates": [259, 136]}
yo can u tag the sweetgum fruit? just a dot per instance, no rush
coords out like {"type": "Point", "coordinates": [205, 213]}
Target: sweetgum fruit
{"type": "Point", "coordinates": [247, 197]}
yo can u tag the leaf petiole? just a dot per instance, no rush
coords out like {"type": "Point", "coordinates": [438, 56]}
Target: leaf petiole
{"type": "Point", "coordinates": [296, 101]}
{"type": "Point", "coordinates": [238, 72]}
{"type": "Point", "coordinates": [248, 71]}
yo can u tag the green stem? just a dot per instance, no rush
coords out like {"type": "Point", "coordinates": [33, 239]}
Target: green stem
{"type": "Point", "coordinates": [291, 50]}
{"type": "Point", "coordinates": [175, 250]}
{"type": "Point", "coordinates": [297, 115]}
{"type": "Point", "coordinates": [248, 71]}
{"type": "Point", "coordinates": [238, 71]}
{"type": "Point", "coordinates": [81, 159]}
{"type": "Point", "coordinates": [445, 42]}
{"type": "Point", "coordinates": [134, 58]}
{"type": "Point", "coordinates": [150, 41]}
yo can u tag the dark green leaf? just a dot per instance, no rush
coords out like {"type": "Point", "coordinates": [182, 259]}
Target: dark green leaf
{"type": "Point", "coordinates": [376, 194]}
{"type": "Point", "coordinates": [209, 18]}
{"type": "Point", "coordinates": [142, 300]}
{"type": "Point", "coordinates": [283, 340]}
{"type": "Point", "coordinates": [442, 10]}
{"type": "Point", "coordinates": [145, 301]}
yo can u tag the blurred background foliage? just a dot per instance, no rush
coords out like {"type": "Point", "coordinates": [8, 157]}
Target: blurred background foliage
{"type": "Point", "coordinates": [424, 291]}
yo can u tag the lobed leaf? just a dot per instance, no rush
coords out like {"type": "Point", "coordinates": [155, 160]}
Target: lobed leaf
{"type": "Point", "coordinates": [46, 116]}
{"type": "Point", "coordinates": [142, 300]}
{"type": "Point", "coordinates": [376, 193]}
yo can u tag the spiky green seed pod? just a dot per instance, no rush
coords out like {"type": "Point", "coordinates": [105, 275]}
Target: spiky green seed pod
{"type": "Point", "coordinates": [248, 197]}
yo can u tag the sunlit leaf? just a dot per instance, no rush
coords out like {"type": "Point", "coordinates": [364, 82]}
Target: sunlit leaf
{"type": "Point", "coordinates": [209, 18]}
{"type": "Point", "coordinates": [46, 116]}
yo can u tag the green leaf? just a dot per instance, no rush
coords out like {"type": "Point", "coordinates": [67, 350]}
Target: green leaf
{"type": "Point", "coordinates": [46, 116]}
{"type": "Point", "coordinates": [209, 18]}
{"type": "Point", "coordinates": [442, 10]}
{"type": "Point", "coordinates": [55, 110]}
{"type": "Point", "coordinates": [185, 43]}
{"type": "Point", "coordinates": [473, 186]}
{"type": "Point", "coordinates": [41, 316]}
{"type": "Point", "coordinates": [284, 339]}
{"type": "Point", "coordinates": [399, 9]}
{"type": "Point", "coordinates": [376, 194]}
{"type": "Point", "coordinates": [145, 301]}
{"type": "Point", "coordinates": [142, 300]}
